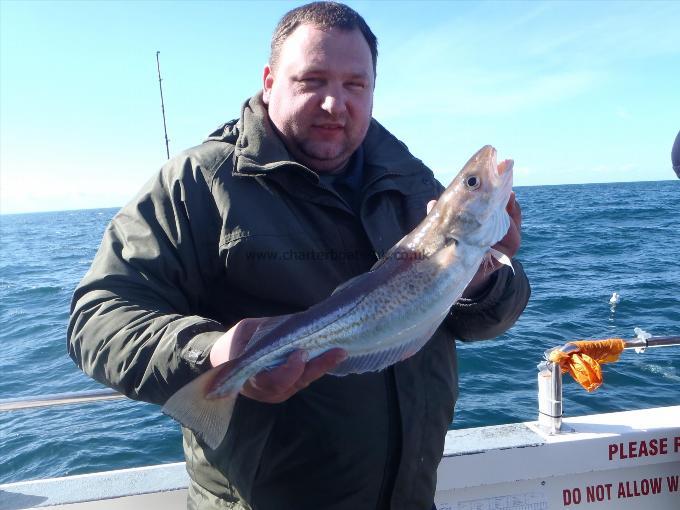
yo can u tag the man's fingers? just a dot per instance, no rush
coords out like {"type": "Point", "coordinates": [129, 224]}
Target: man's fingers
{"type": "Point", "coordinates": [319, 366]}
{"type": "Point", "coordinates": [280, 383]}
{"type": "Point", "coordinates": [514, 210]}
{"type": "Point", "coordinates": [231, 344]}
{"type": "Point", "coordinates": [268, 385]}
{"type": "Point", "coordinates": [242, 333]}
{"type": "Point", "coordinates": [513, 238]}
{"type": "Point", "coordinates": [510, 242]}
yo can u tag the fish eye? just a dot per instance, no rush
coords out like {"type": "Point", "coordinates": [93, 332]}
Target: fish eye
{"type": "Point", "coordinates": [472, 182]}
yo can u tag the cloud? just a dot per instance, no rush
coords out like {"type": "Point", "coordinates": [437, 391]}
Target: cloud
{"type": "Point", "coordinates": [56, 192]}
{"type": "Point", "coordinates": [598, 33]}
{"type": "Point", "coordinates": [622, 113]}
{"type": "Point", "coordinates": [611, 170]}
{"type": "Point", "coordinates": [504, 94]}
{"type": "Point", "coordinates": [521, 172]}
{"type": "Point", "coordinates": [499, 59]}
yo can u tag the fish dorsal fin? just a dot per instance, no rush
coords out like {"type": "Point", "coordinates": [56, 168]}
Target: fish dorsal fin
{"type": "Point", "coordinates": [388, 255]}
{"type": "Point", "coordinates": [349, 282]}
{"type": "Point", "coordinates": [264, 328]}
{"type": "Point", "coordinates": [375, 266]}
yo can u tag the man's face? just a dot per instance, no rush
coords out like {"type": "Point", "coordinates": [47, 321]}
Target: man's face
{"type": "Point", "coordinates": [320, 95]}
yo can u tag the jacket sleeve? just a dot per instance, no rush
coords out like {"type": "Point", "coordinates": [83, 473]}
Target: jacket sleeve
{"type": "Point", "coordinates": [134, 324]}
{"type": "Point", "coordinates": [495, 311]}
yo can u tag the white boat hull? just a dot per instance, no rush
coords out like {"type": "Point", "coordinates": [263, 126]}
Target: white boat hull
{"type": "Point", "coordinates": [628, 460]}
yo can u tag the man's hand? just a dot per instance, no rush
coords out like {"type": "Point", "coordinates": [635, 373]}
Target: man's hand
{"type": "Point", "coordinates": [279, 383]}
{"type": "Point", "coordinates": [509, 245]}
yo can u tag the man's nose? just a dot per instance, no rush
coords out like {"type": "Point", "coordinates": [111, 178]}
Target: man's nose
{"type": "Point", "coordinates": [334, 103]}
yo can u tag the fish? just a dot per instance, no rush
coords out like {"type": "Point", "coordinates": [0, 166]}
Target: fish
{"type": "Point", "coordinates": [380, 317]}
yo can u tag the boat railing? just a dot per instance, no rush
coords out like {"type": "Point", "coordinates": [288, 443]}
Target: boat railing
{"type": "Point", "coordinates": [550, 404]}
{"type": "Point", "coordinates": [58, 399]}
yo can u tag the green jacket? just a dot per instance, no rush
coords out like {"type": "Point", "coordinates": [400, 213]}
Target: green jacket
{"type": "Point", "coordinates": [233, 228]}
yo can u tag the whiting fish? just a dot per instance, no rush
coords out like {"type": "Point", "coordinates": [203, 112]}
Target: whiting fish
{"type": "Point", "coordinates": [380, 317]}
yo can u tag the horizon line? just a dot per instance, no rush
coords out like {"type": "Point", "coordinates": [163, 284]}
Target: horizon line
{"type": "Point", "coordinates": [16, 213]}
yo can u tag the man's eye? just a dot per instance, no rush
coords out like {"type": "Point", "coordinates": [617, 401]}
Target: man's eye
{"type": "Point", "coordinates": [311, 82]}
{"type": "Point", "coordinates": [356, 85]}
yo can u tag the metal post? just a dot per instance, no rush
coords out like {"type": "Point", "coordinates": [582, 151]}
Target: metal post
{"type": "Point", "coordinates": [160, 86]}
{"type": "Point", "coordinates": [550, 397]}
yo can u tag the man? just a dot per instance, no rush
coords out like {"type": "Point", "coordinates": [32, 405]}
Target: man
{"type": "Point", "coordinates": [304, 191]}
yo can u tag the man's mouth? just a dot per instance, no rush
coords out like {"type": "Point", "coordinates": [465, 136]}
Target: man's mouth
{"type": "Point", "coordinates": [329, 127]}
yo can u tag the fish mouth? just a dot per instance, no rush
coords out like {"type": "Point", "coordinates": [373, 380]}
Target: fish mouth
{"type": "Point", "coordinates": [499, 169]}
{"type": "Point", "coordinates": [501, 173]}
{"type": "Point", "coordinates": [489, 154]}
{"type": "Point", "coordinates": [504, 166]}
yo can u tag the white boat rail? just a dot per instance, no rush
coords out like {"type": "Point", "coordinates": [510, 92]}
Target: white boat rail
{"type": "Point", "coordinates": [550, 385]}
{"type": "Point", "coordinates": [550, 404]}
{"type": "Point", "coordinates": [57, 399]}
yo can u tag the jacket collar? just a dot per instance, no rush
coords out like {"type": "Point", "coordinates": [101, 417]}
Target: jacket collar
{"type": "Point", "coordinates": [385, 154]}
{"type": "Point", "coordinates": [259, 151]}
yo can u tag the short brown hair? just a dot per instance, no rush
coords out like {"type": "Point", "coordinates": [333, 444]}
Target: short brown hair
{"type": "Point", "coordinates": [324, 15]}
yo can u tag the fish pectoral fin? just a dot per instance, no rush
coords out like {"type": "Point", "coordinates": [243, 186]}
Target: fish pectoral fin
{"type": "Point", "coordinates": [207, 417]}
{"type": "Point", "coordinates": [502, 258]}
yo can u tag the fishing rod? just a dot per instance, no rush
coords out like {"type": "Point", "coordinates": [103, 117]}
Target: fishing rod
{"type": "Point", "coordinates": [639, 343]}
{"type": "Point", "coordinates": [160, 86]}
{"type": "Point", "coordinates": [652, 341]}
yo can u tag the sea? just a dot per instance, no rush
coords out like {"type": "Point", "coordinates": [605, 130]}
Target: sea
{"type": "Point", "coordinates": [580, 244]}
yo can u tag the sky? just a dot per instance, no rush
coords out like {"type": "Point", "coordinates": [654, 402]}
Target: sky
{"type": "Point", "coordinates": [574, 92]}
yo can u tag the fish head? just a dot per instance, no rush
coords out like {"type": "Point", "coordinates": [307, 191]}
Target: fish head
{"type": "Point", "coordinates": [473, 208]}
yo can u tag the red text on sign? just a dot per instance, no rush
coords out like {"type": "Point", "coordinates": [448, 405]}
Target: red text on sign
{"type": "Point", "coordinates": [598, 492]}
{"type": "Point", "coordinates": [571, 496]}
{"type": "Point", "coordinates": [635, 449]}
{"type": "Point", "coordinates": [641, 488]}
{"type": "Point", "coordinates": [672, 482]}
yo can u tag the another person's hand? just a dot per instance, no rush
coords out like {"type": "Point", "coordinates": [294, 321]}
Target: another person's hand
{"type": "Point", "coordinates": [279, 383]}
{"type": "Point", "coordinates": [509, 245]}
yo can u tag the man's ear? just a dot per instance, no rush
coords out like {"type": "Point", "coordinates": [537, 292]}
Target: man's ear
{"type": "Point", "coordinates": [267, 82]}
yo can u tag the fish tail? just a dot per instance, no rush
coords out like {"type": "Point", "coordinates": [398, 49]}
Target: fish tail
{"type": "Point", "coordinates": [197, 406]}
